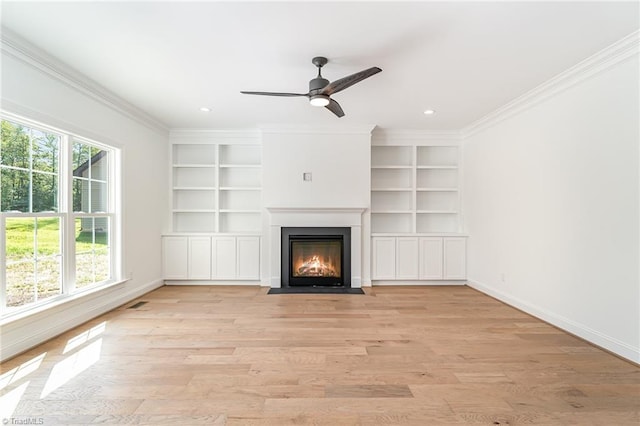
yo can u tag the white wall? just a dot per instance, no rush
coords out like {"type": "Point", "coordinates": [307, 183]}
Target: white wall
{"type": "Point", "coordinates": [339, 161]}
{"type": "Point", "coordinates": [551, 198]}
{"type": "Point", "coordinates": [32, 89]}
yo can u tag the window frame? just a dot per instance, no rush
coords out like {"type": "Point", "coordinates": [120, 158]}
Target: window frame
{"type": "Point", "coordinates": [67, 217]}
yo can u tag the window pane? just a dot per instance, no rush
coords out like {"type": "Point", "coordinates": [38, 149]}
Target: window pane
{"type": "Point", "coordinates": [45, 192]}
{"type": "Point", "coordinates": [19, 239]}
{"type": "Point", "coordinates": [33, 259]}
{"type": "Point", "coordinates": [79, 196]}
{"type": "Point", "coordinates": [49, 255]}
{"type": "Point", "coordinates": [48, 274]}
{"type": "Point", "coordinates": [80, 161]}
{"type": "Point", "coordinates": [98, 197]}
{"type": "Point", "coordinates": [15, 190]}
{"type": "Point", "coordinates": [90, 175]}
{"type": "Point", "coordinates": [20, 258]}
{"type": "Point", "coordinates": [20, 283]}
{"type": "Point", "coordinates": [45, 151]}
{"type": "Point", "coordinates": [48, 236]}
{"type": "Point", "coordinates": [14, 150]}
{"type": "Point", "coordinates": [92, 251]}
{"type": "Point", "coordinates": [99, 164]}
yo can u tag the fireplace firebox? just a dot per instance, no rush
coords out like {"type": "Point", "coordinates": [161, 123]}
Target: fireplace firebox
{"type": "Point", "coordinates": [316, 256]}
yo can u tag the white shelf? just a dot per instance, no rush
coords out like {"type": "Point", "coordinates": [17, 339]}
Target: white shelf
{"type": "Point", "coordinates": [391, 190]}
{"type": "Point", "coordinates": [392, 178]}
{"type": "Point", "coordinates": [216, 187]}
{"type": "Point", "coordinates": [414, 189]}
{"type": "Point", "coordinates": [436, 222]}
{"type": "Point", "coordinates": [194, 188]}
{"type": "Point", "coordinates": [240, 155]}
{"type": "Point", "coordinates": [392, 156]}
{"type": "Point", "coordinates": [437, 211]}
{"type": "Point", "coordinates": [438, 156]}
{"type": "Point", "coordinates": [194, 166]}
{"type": "Point", "coordinates": [196, 154]}
{"type": "Point", "coordinates": [437, 167]}
{"type": "Point", "coordinates": [391, 211]}
{"type": "Point", "coordinates": [392, 222]}
{"type": "Point", "coordinates": [391, 167]}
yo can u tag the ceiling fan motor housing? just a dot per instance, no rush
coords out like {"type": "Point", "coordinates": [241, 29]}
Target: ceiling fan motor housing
{"type": "Point", "coordinates": [317, 84]}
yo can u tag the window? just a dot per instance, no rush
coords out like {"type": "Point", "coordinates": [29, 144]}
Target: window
{"type": "Point", "coordinates": [58, 215]}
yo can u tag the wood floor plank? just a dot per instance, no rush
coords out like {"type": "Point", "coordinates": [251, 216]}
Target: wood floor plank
{"type": "Point", "coordinates": [233, 355]}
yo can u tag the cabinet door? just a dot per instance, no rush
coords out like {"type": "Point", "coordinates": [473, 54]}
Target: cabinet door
{"type": "Point", "coordinates": [175, 254]}
{"type": "Point", "coordinates": [407, 258]}
{"type": "Point", "coordinates": [384, 258]}
{"type": "Point", "coordinates": [199, 258]}
{"type": "Point", "coordinates": [248, 258]}
{"type": "Point", "coordinates": [224, 258]}
{"type": "Point", "coordinates": [431, 258]}
{"type": "Point", "coordinates": [455, 258]}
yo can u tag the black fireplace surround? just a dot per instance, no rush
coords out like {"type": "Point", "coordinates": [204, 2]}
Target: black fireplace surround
{"type": "Point", "coordinates": [316, 257]}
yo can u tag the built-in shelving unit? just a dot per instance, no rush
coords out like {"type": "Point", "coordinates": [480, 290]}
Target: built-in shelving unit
{"type": "Point", "coordinates": [217, 183]}
{"type": "Point", "coordinates": [415, 209]}
{"type": "Point", "coordinates": [415, 186]}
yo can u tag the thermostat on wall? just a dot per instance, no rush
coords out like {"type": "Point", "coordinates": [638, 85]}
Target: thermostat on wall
{"type": "Point", "coordinates": [306, 176]}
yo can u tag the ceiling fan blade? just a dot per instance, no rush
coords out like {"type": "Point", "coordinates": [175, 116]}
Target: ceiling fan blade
{"type": "Point", "coordinates": [350, 80]}
{"type": "Point", "coordinates": [335, 108]}
{"type": "Point", "coordinates": [273, 93]}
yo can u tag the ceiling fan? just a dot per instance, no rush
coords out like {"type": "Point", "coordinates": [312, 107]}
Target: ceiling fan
{"type": "Point", "coordinates": [320, 89]}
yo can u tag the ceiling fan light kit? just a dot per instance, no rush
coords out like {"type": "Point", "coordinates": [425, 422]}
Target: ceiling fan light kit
{"type": "Point", "coordinates": [319, 100]}
{"type": "Point", "coordinates": [320, 89]}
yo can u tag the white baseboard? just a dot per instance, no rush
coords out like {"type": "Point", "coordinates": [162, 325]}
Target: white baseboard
{"type": "Point", "coordinates": [606, 342]}
{"type": "Point", "coordinates": [375, 283]}
{"type": "Point", "coordinates": [31, 330]}
{"type": "Point", "coordinates": [212, 282]}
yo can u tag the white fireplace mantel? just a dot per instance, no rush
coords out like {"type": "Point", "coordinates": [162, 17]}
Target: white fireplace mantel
{"type": "Point", "coordinates": [350, 217]}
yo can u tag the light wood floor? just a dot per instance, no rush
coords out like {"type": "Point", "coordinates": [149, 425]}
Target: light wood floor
{"type": "Point", "coordinates": [397, 355]}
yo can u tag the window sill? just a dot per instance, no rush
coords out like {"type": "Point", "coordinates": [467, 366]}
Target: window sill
{"type": "Point", "coordinates": [59, 301]}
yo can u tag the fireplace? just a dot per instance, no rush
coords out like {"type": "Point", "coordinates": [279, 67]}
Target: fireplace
{"type": "Point", "coordinates": [316, 256]}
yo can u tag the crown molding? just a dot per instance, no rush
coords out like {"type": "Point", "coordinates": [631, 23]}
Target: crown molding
{"type": "Point", "coordinates": [619, 51]}
{"type": "Point", "coordinates": [209, 135]}
{"type": "Point", "coordinates": [20, 49]}
{"type": "Point", "coordinates": [425, 135]}
{"type": "Point", "coordinates": [364, 129]}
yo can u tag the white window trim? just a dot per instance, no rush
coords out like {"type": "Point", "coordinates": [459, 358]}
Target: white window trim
{"type": "Point", "coordinates": [67, 222]}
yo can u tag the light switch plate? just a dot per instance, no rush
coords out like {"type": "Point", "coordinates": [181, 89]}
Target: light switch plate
{"type": "Point", "coordinates": [306, 176]}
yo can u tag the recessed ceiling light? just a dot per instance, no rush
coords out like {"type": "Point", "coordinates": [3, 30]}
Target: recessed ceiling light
{"type": "Point", "coordinates": [429, 112]}
{"type": "Point", "coordinates": [205, 109]}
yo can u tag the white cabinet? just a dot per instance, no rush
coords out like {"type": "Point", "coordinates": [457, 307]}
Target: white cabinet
{"type": "Point", "coordinates": [211, 257]}
{"type": "Point", "coordinates": [384, 258]}
{"type": "Point", "coordinates": [418, 258]}
{"type": "Point", "coordinates": [199, 256]}
{"type": "Point", "coordinates": [175, 258]}
{"type": "Point", "coordinates": [224, 258]}
{"type": "Point", "coordinates": [248, 252]}
{"type": "Point", "coordinates": [455, 258]}
{"type": "Point", "coordinates": [407, 258]}
{"type": "Point", "coordinates": [431, 258]}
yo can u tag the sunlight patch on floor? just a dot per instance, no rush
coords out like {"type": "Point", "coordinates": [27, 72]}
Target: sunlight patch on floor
{"type": "Point", "coordinates": [71, 366]}
{"type": "Point", "coordinates": [10, 400]}
{"type": "Point", "coordinates": [15, 374]}
{"type": "Point", "coordinates": [85, 337]}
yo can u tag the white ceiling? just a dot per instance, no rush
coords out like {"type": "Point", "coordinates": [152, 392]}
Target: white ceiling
{"type": "Point", "coordinates": [463, 59]}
